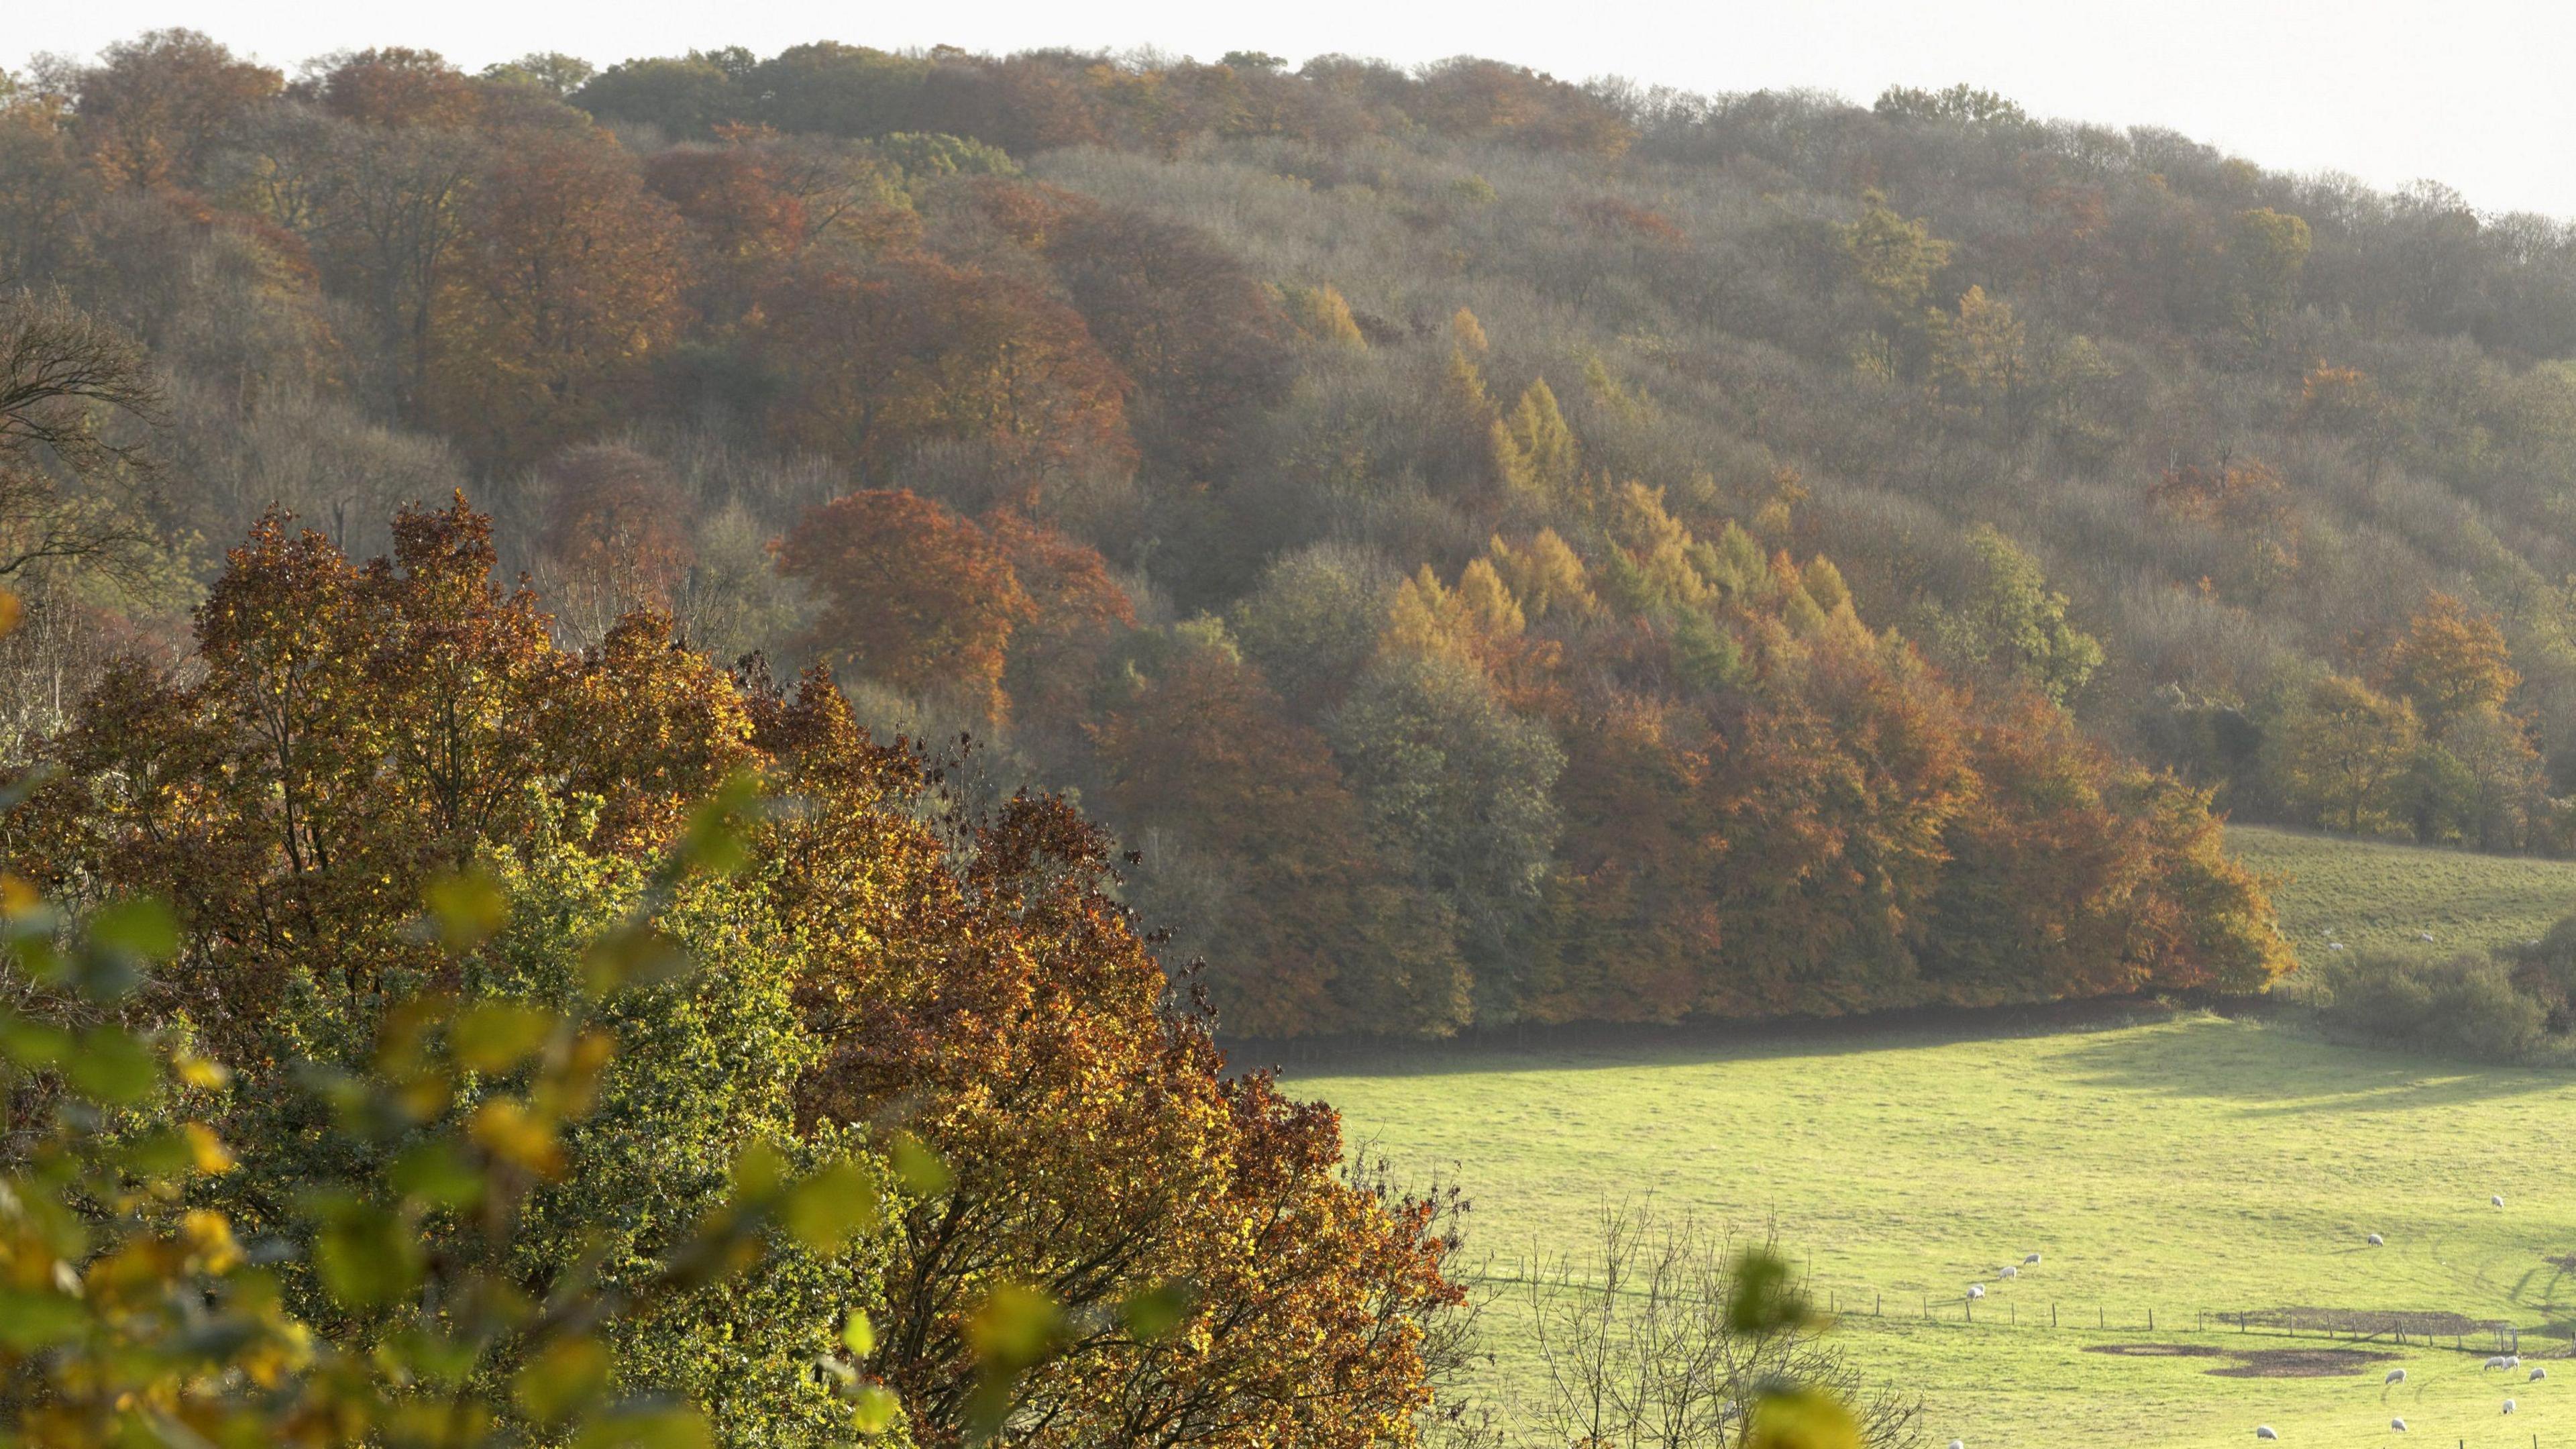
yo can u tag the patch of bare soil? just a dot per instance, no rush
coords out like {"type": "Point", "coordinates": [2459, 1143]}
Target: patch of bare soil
{"type": "Point", "coordinates": [2299, 1363]}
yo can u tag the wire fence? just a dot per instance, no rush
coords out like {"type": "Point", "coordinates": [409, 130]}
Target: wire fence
{"type": "Point", "coordinates": [2397, 1329]}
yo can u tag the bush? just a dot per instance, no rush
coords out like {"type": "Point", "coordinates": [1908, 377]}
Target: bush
{"type": "Point", "coordinates": [2462, 1005]}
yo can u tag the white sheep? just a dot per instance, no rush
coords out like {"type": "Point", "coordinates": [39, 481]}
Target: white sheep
{"type": "Point", "coordinates": [2397, 1424]}
{"type": "Point", "coordinates": [1976, 1290]}
{"type": "Point", "coordinates": [2496, 1362]}
{"type": "Point", "coordinates": [2513, 1360]}
{"type": "Point", "coordinates": [2498, 1199]}
{"type": "Point", "coordinates": [2031, 1261]}
{"type": "Point", "coordinates": [2424, 936]}
{"type": "Point", "coordinates": [2395, 1376]}
{"type": "Point", "coordinates": [2508, 1406]}
{"type": "Point", "coordinates": [2264, 1431]}
{"type": "Point", "coordinates": [2377, 1241]}
{"type": "Point", "coordinates": [2008, 1271]}
{"type": "Point", "coordinates": [1958, 1444]}
{"type": "Point", "coordinates": [2538, 1374]}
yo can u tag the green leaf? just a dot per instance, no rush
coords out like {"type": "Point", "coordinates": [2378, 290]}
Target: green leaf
{"type": "Point", "coordinates": [112, 1066]}
{"type": "Point", "coordinates": [716, 838]}
{"type": "Point", "coordinates": [1158, 1312]}
{"type": "Point", "coordinates": [568, 1377]}
{"type": "Point", "coordinates": [648, 1429]}
{"type": "Point", "coordinates": [367, 1255]}
{"type": "Point", "coordinates": [872, 1409]}
{"type": "Point", "coordinates": [124, 942]}
{"type": "Point", "coordinates": [1764, 1300]}
{"type": "Point", "coordinates": [33, 1043]}
{"type": "Point", "coordinates": [859, 1334]}
{"type": "Point", "coordinates": [635, 955]}
{"type": "Point", "coordinates": [825, 1209]}
{"type": "Point", "coordinates": [1014, 1327]}
{"type": "Point", "coordinates": [466, 909]}
{"type": "Point", "coordinates": [437, 1173]}
{"type": "Point", "coordinates": [758, 1171]}
{"type": "Point", "coordinates": [30, 1321]}
{"type": "Point", "coordinates": [1802, 1419]}
{"type": "Point", "coordinates": [919, 1168]}
{"type": "Point", "coordinates": [494, 1036]}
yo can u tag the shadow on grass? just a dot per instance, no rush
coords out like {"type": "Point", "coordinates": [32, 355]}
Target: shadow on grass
{"type": "Point", "coordinates": [2265, 1069]}
{"type": "Point", "coordinates": [2270, 1071]}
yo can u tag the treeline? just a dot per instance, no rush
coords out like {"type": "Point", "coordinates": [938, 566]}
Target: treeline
{"type": "Point", "coordinates": [1378, 525]}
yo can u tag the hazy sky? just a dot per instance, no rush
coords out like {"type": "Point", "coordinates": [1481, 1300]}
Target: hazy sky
{"type": "Point", "coordinates": [2474, 93]}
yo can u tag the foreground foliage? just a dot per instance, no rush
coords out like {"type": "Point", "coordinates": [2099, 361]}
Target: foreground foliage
{"type": "Point", "coordinates": [875, 968]}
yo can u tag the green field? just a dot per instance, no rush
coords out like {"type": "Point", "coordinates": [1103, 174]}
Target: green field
{"type": "Point", "coordinates": [2367, 893]}
{"type": "Point", "coordinates": [2188, 1166]}
{"type": "Point", "coordinates": [2180, 1166]}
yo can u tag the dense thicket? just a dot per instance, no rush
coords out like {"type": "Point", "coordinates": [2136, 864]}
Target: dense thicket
{"type": "Point", "coordinates": [1491, 549]}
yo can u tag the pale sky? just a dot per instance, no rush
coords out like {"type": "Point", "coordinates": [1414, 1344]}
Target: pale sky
{"type": "Point", "coordinates": [2473, 93]}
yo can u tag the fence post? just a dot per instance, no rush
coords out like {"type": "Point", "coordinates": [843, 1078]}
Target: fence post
{"type": "Point", "coordinates": [2151, 1320]}
{"type": "Point", "coordinates": [1877, 1305]}
{"type": "Point", "coordinates": [2052, 1315]}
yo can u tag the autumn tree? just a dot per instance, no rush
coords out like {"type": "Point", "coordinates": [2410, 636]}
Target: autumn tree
{"type": "Point", "coordinates": [616, 536]}
{"type": "Point", "coordinates": [2340, 748]}
{"type": "Point", "coordinates": [912, 594]}
{"type": "Point", "coordinates": [567, 281]}
{"type": "Point", "coordinates": [2014, 624]}
{"type": "Point", "coordinates": [156, 107]}
{"type": "Point", "coordinates": [2450, 662]}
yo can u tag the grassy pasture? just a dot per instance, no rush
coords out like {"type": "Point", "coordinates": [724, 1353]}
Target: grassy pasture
{"type": "Point", "coordinates": [2372, 893]}
{"type": "Point", "coordinates": [2188, 1165]}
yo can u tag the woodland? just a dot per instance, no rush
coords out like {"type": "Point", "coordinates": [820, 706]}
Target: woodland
{"type": "Point", "coordinates": [656, 717]}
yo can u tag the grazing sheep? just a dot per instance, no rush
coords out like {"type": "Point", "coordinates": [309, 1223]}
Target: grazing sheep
{"type": "Point", "coordinates": [2513, 1360]}
{"type": "Point", "coordinates": [2538, 1374]}
{"type": "Point", "coordinates": [2496, 1362]}
{"type": "Point", "coordinates": [2032, 1261]}
{"type": "Point", "coordinates": [1976, 1290]}
{"type": "Point", "coordinates": [2424, 936]}
{"type": "Point", "coordinates": [2395, 1376]}
{"type": "Point", "coordinates": [1958, 1444]}
{"type": "Point", "coordinates": [2377, 1241]}
{"type": "Point", "coordinates": [2397, 1424]}
{"type": "Point", "coordinates": [2264, 1431]}
{"type": "Point", "coordinates": [2508, 1406]}
{"type": "Point", "coordinates": [2008, 1271]}
{"type": "Point", "coordinates": [2498, 1199]}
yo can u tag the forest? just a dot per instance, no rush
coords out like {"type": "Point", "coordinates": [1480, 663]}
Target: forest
{"type": "Point", "coordinates": [1489, 550]}
{"type": "Point", "coordinates": [660, 722]}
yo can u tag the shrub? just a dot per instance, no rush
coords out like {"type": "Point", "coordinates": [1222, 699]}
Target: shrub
{"type": "Point", "coordinates": [2462, 1005]}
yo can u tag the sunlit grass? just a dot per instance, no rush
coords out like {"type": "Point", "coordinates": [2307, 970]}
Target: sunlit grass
{"type": "Point", "coordinates": [2187, 1166]}
{"type": "Point", "coordinates": [2367, 893]}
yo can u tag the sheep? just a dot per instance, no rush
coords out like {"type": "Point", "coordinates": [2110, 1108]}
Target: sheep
{"type": "Point", "coordinates": [2030, 1261]}
{"type": "Point", "coordinates": [2508, 1406]}
{"type": "Point", "coordinates": [1976, 1290]}
{"type": "Point", "coordinates": [2377, 1241]}
{"type": "Point", "coordinates": [1958, 1444]}
{"type": "Point", "coordinates": [2513, 1360]}
{"type": "Point", "coordinates": [2008, 1271]}
{"type": "Point", "coordinates": [2498, 1199]}
{"type": "Point", "coordinates": [2496, 1362]}
{"type": "Point", "coordinates": [2424, 936]}
{"type": "Point", "coordinates": [2397, 1424]}
{"type": "Point", "coordinates": [2334, 945]}
{"type": "Point", "coordinates": [2395, 1376]}
{"type": "Point", "coordinates": [2537, 1374]}
{"type": "Point", "coordinates": [2264, 1431]}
